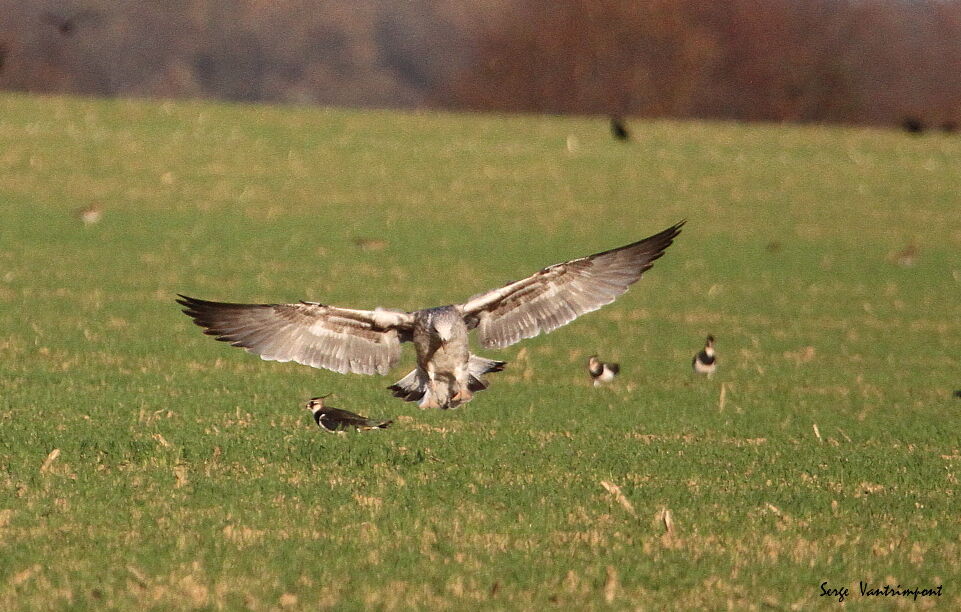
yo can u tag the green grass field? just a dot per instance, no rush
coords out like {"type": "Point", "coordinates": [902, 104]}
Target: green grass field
{"type": "Point", "coordinates": [190, 477]}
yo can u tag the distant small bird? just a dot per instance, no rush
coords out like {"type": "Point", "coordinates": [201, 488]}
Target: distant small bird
{"type": "Point", "coordinates": [602, 372]}
{"type": "Point", "coordinates": [908, 256]}
{"type": "Point", "coordinates": [705, 362]}
{"type": "Point", "coordinates": [370, 244]}
{"type": "Point", "coordinates": [912, 125]}
{"type": "Point", "coordinates": [91, 214]}
{"type": "Point", "coordinates": [335, 419]}
{"type": "Point", "coordinates": [619, 129]}
{"type": "Point", "coordinates": [67, 25]}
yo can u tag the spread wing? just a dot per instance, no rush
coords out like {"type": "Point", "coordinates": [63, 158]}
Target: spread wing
{"type": "Point", "coordinates": [338, 339]}
{"type": "Point", "coordinates": [557, 295]}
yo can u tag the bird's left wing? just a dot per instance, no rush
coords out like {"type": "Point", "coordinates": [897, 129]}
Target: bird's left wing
{"type": "Point", "coordinates": [558, 294]}
{"type": "Point", "coordinates": [339, 339]}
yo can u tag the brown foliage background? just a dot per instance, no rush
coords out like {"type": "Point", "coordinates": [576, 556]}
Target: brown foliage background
{"type": "Point", "coordinates": [855, 61]}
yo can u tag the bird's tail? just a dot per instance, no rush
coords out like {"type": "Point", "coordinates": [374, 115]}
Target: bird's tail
{"type": "Point", "coordinates": [414, 386]}
{"type": "Point", "coordinates": [371, 424]}
{"type": "Point", "coordinates": [410, 388]}
{"type": "Point", "coordinates": [477, 367]}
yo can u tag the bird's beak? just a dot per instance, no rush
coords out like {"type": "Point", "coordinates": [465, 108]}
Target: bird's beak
{"type": "Point", "coordinates": [444, 332]}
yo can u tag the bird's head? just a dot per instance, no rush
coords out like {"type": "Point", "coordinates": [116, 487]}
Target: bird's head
{"type": "Point", "coordinates": [316, 403]}
{"type": "Point", "coordinates": [710, 341]}
{"type": "Point", "coordinates": [593, 362]}
{"type": "Point", "coordinates": [443, 323]}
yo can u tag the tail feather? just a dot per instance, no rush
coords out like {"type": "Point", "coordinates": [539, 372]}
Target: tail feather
{"type": "Point", "coordinates": [477, 384]}
{"type": "Point", "coordinates": [477, 367]}
{"type": "Point", "coordinates": [410, 388]}
{"type": "Point", "coordinates": [414, 388]}
{"type": "Point", "coordinates": [378, 424]}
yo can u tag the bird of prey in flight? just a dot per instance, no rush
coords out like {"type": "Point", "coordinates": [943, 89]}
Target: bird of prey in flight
{"type": "Point", "coordinates": [447, 373]}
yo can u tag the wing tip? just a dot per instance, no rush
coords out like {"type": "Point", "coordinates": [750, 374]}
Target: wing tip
{"type": "Point", "coordinates": [659, 242]}
{"type": "Point", "coordinates": [670, 233]}
{"type": "Point", "coordinates": [194, 307]}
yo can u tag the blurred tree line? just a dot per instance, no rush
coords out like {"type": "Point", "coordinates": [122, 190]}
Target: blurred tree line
{"type": "Point", "coordinates": [855, 61]}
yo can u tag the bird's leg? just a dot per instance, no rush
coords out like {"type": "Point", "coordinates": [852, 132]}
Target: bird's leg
{"type": "Point", "coordinates": [461, 378]}
{"type": "Point", "coordinates": [463, 395]}
{"type": "Point", "coordinates": [442, 391]}
{"type": "Point", "coordinates": [430, 398]}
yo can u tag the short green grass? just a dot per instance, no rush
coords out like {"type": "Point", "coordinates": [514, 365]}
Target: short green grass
{"type": "Point", "coordinates": [189, 476]}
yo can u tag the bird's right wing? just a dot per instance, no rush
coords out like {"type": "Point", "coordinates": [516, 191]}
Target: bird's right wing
{"type": "Point", "coordinates": [339, 339]}
{"type": "Point", "coordinates": [558, 294]}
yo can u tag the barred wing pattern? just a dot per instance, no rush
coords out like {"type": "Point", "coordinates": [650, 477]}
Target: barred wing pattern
{"type": "Point", "coordinates": [339, 339]}
{"type": "Point", "coordinates": [558, 294]}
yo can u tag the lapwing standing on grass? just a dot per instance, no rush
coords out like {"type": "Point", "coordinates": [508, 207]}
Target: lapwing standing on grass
{"type": "Point", "coordinates": [335, 419]}
{"type": "Point", "coordinates": [705, 362]}
{"type": "Point", "coordinates": [602, 372]}
{"type": "Point", "coordinates": [447, 373]}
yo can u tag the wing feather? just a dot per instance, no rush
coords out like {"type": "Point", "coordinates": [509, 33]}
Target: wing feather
{"type": "Point", "coordinates": [558, 294]}
{"type": "Point", "coordinates": [339, 339]}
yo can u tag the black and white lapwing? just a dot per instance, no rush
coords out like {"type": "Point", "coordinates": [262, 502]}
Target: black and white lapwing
{"type": "Point", "coordinates": [601, 372]}
{"type": "Point", "coordinates": [705, 362]}
{"type": "Point", "coordinates": [335, 419]}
